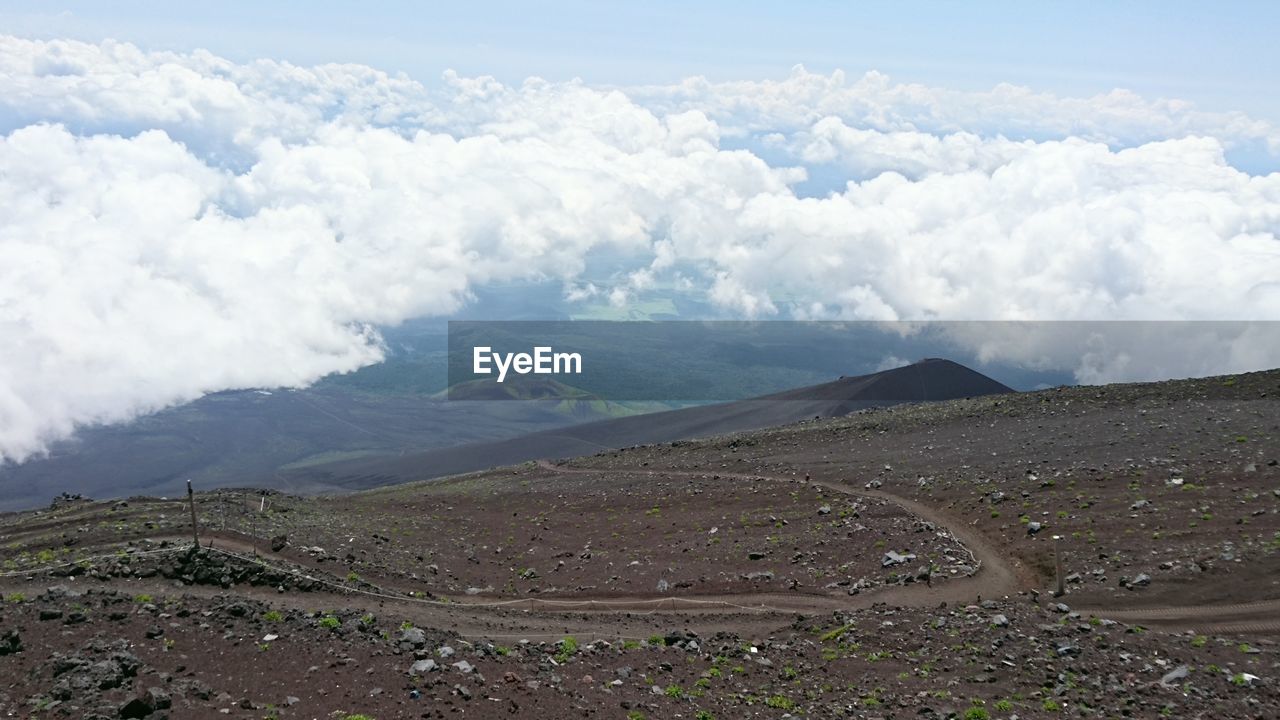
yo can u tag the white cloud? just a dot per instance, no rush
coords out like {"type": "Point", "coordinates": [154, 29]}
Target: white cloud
{"type": "Point", "coordinates": [874, 101]}
{"type": "Point", "coordinates": [1064, 230]}
{"type": "Point", "coordinates": [867, 153]}
{"type": "Point", "coordinates": [176, 224]}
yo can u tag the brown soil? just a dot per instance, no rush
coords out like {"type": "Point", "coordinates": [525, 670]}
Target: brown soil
{"type": "Point", "coordinates": [1164, 497]}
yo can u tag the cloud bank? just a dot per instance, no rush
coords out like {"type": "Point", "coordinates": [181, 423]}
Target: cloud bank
{"type": "Point", "coordinates": [177, 224]}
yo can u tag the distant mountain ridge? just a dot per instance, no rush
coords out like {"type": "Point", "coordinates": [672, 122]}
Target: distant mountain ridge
{"type": "Point", "coordinates": [931, 379]}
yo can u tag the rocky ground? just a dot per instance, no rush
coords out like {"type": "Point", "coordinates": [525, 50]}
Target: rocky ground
{"type": "Point", "coordinates": [1159, 492]}
{"type": "Point", "coordinates": [894, 563]}
{"type": "Point", "coordinates": [102, 653]}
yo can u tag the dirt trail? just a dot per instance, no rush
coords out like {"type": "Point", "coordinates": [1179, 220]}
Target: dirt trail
{"type": "Point", "coordinates": [749, 614]}
{"type": "Point", "coordinates": [997, 576]}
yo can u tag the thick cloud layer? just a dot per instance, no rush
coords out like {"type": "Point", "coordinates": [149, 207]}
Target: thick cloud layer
{"type": "Point", "coordinates": [172, 225]}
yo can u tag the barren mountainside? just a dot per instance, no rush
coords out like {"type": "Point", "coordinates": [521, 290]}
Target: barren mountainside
{"type": "Point", "coordinates": [895, 562]}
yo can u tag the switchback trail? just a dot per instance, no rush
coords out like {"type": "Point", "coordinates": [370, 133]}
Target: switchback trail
{"type": "Point", "coordinates": [997, 575]}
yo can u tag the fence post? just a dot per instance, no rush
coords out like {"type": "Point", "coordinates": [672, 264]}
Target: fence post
{"type": "Point", "coordinates": [191, 500]}
{"type": "Point", "coordinates": [1057, 565]}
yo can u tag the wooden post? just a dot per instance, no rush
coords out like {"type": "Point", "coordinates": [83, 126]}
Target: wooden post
{"type": "Point", "coordinates": [191, 500]}
{"type": "Point", "coordinates": [1057, 566]}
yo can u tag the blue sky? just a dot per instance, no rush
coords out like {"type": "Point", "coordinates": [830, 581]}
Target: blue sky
{"type": "Point", "coordinates": [1223, 56]}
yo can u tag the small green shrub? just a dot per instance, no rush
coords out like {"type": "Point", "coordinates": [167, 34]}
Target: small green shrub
{"type": "Point", "coordinates": [837, 633]}
{"type": "Point", "coordinates": [782, 702]}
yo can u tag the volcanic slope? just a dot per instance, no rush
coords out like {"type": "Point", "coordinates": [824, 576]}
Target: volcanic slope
{"type": "Point", "coordinates": [928, 380]}
{"type": "Point", "coordinates": [1162, 494]}
{"type": "Point", "coordinates": [537, 590]}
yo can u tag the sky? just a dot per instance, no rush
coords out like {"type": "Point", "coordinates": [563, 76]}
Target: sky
{"type": "Point", "coordinates": [196, 198]}
{"type": "Point", "coordinates": [1222, 55]}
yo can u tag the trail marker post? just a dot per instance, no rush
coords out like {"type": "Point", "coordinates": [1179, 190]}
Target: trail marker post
{"type": "Point", "coordinates": [191, 501]}
{"type": "Point", "coordinates": [1057, 566]}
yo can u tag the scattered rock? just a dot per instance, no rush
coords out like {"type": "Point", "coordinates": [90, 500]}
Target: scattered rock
{"type": "Point", "coordinates": [10, 643]}
{"type": "Point", "coordinates": [1174, 675]}
{"type": "Point", "coordinates": [893, 558]}
{"type": "Point", "coordinates": [422, 667]}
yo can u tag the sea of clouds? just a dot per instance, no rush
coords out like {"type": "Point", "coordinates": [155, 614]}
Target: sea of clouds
{"type": "Point", "coordinates": [177, 224]}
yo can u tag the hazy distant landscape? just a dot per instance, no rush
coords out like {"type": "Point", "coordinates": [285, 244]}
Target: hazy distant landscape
{"type": "Point", "coordinates": [288, 438]}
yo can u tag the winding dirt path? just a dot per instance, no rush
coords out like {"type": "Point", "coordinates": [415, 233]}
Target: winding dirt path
{"type": "Point", "coordinates": [749, 614]}
{"type": "Point", "coordinates": [999, 574]}
{"type": "Point", "coordinates": [996, 575]}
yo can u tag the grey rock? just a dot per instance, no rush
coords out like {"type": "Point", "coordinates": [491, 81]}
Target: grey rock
{"type": "Point", "coordinates": [422, 667]}
{"type": "Point", "coordinates": [158, 698]}
{"type": "Point", "coordinates": [413, 636]}
{"type": "Point", "coordinates": [1174, 675]}
{"type": "Point", "coordinates": [894, 558]}
{"type": "Point", "coordinates": [10, 642]}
